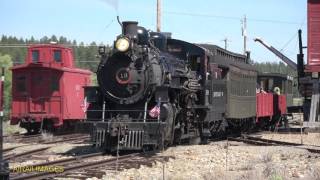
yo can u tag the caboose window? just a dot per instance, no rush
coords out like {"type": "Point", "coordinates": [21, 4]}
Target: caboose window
{"type": "Point", "coordinates": [35, 56]}
{"type": "Point", "coordinates": [57, 55]}
{"type": "Point", "coordinates": [21, 84]}
{"type": "Point", "coordinates": [55, 84]}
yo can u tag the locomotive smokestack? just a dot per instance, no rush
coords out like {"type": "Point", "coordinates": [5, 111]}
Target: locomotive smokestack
{"type": "Point", "coordinates": [129, 28]}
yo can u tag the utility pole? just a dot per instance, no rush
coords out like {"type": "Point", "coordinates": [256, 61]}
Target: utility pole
{"type": "Point", "coordinates": [244, 33]}
{"type": "Point", "coordinates": [158, 15]}
{"type": "Point", "coordinates": [4, 171]}
{"type": "Point", "coordinates": [225, 40]}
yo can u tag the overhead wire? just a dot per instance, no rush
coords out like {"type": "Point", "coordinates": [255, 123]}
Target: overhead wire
{"type": "Point", "coordinates": [230, 17]}
{"type": "Point", "coordinates": [184, 14]}
{"type": "Point", "coordinates": [289, 41]}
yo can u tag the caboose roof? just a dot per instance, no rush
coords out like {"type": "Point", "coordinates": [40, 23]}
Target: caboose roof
{"type": "Point", "coordinates": [46, 66]}
{"type": "Point", "coordinates": [48, 46]}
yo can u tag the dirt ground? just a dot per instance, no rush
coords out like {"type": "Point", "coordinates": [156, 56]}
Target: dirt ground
{"type": "Point", "coordinates": [232, 160]}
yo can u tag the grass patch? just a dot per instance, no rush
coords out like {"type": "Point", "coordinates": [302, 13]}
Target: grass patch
{"type": "Point", "coordinates": [12, 129]}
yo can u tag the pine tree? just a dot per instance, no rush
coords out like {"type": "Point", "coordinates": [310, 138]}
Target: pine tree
{"type": "Point", "coordinates": [5, 61]}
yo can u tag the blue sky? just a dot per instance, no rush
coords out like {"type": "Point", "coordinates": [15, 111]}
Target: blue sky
{"type": "Point", "coordinates": [201, 21]}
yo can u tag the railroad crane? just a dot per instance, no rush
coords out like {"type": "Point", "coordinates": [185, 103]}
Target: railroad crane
{"type": "Point", "coordinates": [308, 74]}
{"type": "Point", "coordinates": [283, 57]}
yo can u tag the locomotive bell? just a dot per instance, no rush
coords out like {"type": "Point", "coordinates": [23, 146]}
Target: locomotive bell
{"type": "Point", "coordinates": [143, 36]}
{"type": "Point", "coordinates": [129, 29]}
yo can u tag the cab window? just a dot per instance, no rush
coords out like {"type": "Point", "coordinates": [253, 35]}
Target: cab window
{"type": "Point", "coordinates": [35, 56]}
{"type": "Point", "coordinates": [57, 55]}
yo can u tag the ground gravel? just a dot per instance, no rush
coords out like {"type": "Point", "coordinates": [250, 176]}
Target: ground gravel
{"type": "Point", "coordinates": [229, 160]}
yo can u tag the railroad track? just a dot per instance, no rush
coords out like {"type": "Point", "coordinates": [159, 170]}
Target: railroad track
{"type": "Point", "coordinates": [39, 138]}
{"type": "Point", "coordinates": [20, 137]}
{"type": "Point", "coordinates": [25, 154]}
{"type": "Point", "coordinates": [81, 167]}
{"type": "Point", "coordinates": [268, 142]}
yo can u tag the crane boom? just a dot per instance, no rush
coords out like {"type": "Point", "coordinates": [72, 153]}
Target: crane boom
{"type": "Point", "coordinates": [284, 58]}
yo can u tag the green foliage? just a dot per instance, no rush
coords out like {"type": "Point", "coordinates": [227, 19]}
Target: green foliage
{"type": "Point", "coordinates": [94, 80]}
{"type": "Point", "coordinates": [275, 68]}
{"type": "Point", "coordinates": [17, 53]}
{"type": "Point", "coordinates": [85, 55]}
{"type": "Point", "coordinates": [5, 61]}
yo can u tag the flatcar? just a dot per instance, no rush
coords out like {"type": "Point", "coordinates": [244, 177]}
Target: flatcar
{"type": "Point", "coordinates": [47, 89]}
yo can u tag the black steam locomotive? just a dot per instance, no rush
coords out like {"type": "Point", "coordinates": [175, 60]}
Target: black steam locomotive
{"type": "Point", "coordinates": [154, 91]}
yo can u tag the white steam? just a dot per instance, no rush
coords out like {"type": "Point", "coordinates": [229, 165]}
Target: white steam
{"type": "Point", "coordinates": [112, 3]}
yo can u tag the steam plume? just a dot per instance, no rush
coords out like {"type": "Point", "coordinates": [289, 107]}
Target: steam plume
{"type": "Point", "coordinates": [113, 3]}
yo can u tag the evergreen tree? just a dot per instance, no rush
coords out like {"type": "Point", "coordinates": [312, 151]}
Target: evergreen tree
{"type": "Point", "coordinates": [5, 61]}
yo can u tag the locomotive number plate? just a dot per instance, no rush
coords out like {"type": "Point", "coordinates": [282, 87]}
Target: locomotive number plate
{"type": "Point", "coordinates": [123, 76]}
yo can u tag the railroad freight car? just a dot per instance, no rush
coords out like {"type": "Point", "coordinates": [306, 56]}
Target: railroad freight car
{"type": "Point", "coordinates": [47, 90]}
{"type": "Point", "coordinates": [274, 97]}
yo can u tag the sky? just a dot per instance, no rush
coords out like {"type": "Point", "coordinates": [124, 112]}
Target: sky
{"type": "Point", "coordinates": [196, 21]}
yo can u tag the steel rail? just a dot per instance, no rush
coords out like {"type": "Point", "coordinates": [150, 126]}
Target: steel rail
{"type": "Point", "coordinates": [268, 142]}
{"type": "Point", "coordinates": [81, 166]}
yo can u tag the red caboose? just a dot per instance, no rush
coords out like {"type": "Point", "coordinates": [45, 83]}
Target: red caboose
{"type": "Point", "coordinates": [273, 97]}
{"type": "Point", "coordinates": [47, 89]}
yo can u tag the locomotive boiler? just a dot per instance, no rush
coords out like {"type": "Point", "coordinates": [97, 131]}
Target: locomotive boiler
{"type": "Point", "coordinates": [145, 97]}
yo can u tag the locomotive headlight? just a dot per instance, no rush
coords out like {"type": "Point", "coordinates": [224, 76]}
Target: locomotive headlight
{"type": "Point", "coordinates": [122, 44]}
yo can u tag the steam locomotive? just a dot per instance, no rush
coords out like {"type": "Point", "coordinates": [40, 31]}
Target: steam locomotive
{"type": "Point", "coordinates": [154, 91]}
